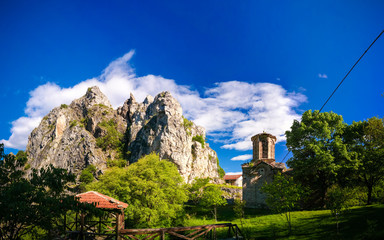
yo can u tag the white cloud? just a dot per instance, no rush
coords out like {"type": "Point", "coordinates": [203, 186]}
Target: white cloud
{"type": "Point", "coordinates": [231, 112]}
{"type": "Point", "coordinates": [21, 128]}
{"type": "Point", "coordinates": [322, 75]}
{"type": "Point", "coordinates": [242, 157]}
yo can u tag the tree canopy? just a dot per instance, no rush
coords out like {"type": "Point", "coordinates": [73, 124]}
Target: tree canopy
{"type": "Point", "coordinates": [152, 188]}
{"type": "Point", "coordinates": [327, 151]}
{"type": "Point", "coordinates": [318, 151]}
{"type": "Point", "coordinates": [34, 202]}
{"type": "Point", "coordinates": [366, 141]}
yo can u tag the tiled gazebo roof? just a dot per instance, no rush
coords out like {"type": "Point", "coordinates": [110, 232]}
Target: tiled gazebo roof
{"type": "Point", "coordinates": [101, 200]}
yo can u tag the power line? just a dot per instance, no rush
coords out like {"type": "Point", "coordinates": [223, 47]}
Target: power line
{"type": "Point", "coordinates": [350, 70]}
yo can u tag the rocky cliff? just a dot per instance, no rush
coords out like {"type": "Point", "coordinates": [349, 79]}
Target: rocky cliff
{"type": "Point", "coordinates": [90, 131]}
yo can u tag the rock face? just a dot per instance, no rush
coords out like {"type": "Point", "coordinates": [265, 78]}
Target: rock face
{"type": "Point", "coordinates": [90, 131]}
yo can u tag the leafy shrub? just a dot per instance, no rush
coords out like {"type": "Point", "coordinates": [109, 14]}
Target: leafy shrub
{"type": "Point", "coordinates": [220, 170]}
{"type": "Point", "coordinates": [187, 125]}
{"type": "Point", "coordinates": [63, 106]}
{"type": "Point", "coordinates": [113, 138]}
{"type": "Point", "coordinates": [86, 175]}
{"type": "Point", "coordinates": [27, 166]}
{"type": "Point", "coordinates": [73, 124]}
{"type": "Point", "coordinates": [200, 139]}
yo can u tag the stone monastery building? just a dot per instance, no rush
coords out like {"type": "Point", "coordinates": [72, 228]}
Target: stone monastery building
{"type": "Point", "coordinates": [260, 169]}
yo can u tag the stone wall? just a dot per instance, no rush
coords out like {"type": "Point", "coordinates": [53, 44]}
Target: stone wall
{"type": "Point", "coordinates": [253, 179]}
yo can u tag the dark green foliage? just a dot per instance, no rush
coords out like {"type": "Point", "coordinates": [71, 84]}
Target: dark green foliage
{"type": "Point", "coordinates": [366, 142]}
{"type": "Point", "coordinates": [319, 152]}
{"type": "Point", "coordinates": [87, 175]}
{"type": "Point", "coordinates": [113, 139]}
{"type": "Point", "coordinates": [153, 189]}
{"type": "Point", "coordinates": [63, 106]}
{"type": "Point", "coordinates": [36, 202]}
{"type": "Point", "coordinates": [200, 139]}
{"type": "Point", "coordinates": [326, 151]}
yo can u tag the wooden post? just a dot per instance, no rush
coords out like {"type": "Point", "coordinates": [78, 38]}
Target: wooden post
{"type": "Point", "coordinates": [82, 226]}
{"type": "Point", "coordinates": [162, 235]}
{"type": "Point", "coordinates": [117, 226]}
{"type": "Point", "coordinates": [122, 219]}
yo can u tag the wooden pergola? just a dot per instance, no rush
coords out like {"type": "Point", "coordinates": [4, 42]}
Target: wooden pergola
{"type": "Point", "coordinates": [83, 226]}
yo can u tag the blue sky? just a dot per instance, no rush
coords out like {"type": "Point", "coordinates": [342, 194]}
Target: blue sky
{"type": "Point", "coordinates": [237, 67]}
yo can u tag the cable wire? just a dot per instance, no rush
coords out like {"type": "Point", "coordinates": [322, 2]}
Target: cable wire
{"type": "Point", "coordinates": [350, 70]}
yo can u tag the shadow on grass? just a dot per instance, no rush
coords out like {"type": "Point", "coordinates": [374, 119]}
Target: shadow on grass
{"type": "Point", "coordinates": [357, 223]}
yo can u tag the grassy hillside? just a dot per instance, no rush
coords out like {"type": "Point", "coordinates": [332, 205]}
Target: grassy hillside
{"type": "Point", "coordinates": [357, 223]}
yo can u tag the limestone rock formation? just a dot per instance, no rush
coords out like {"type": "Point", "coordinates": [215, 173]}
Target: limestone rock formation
{"type": "Point", "coordinates": [90, 131]}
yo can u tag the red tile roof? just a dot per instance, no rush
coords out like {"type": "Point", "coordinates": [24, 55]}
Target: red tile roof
{"type": "Point", "coordinates": [101, 200]}
{"type": "Point", "coordinates": [232, 177]}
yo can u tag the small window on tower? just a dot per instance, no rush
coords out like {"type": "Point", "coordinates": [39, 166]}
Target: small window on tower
{"type": "Point", "coordinates": [265, 148]}
{"type": "Point", "coordinates": [261, 171]}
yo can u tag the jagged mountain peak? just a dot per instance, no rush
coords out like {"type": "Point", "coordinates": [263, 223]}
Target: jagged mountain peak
{"type": "Point", "coordinates": [92, 97]}
{"type": "Point", "coordinates": [90, 131]}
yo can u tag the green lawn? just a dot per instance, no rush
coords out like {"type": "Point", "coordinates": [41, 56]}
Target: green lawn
{"type": "Point", "coordinates": [357, 223]}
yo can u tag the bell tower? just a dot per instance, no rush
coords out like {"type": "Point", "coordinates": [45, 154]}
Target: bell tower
{"type": "Point", "coordinates": [264, 147]}
{"type": "Point", "coordinates": [260, 170]}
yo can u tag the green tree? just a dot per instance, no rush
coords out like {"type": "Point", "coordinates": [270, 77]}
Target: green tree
{"type": "Point", "coordinates": [366, 141]}
{"type": "Point", "coordinates": [319, 152]}
{"type": "Point", "coordinates": [212, 198]}
{"type": "Point", "coordinates": [153, 189]}
{"type": "Point", "coordinates": [283, 195]}
{"type": "Point", "coordinates": [196, 189]}
{"type": "Point", "coordinates": [34, 202]}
